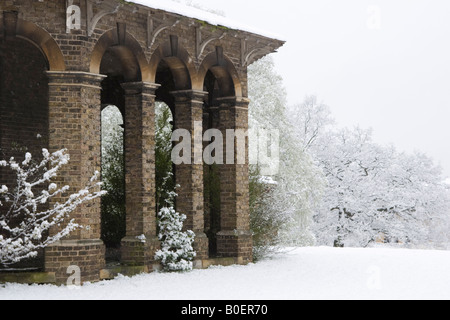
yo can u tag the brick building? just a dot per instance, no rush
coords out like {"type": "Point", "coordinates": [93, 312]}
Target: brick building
{"type": "Point", "coordinates": [62, 60]}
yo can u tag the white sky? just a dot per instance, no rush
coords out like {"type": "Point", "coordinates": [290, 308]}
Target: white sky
{"type": "Point", "coordinates": [383, 64]}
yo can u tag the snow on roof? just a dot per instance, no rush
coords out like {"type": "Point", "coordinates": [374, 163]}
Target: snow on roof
{"type": "Point", "coordinates": [211, 18]}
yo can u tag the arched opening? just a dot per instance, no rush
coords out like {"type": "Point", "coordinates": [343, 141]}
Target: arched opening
{"type": "Point", "coordinates": [24, 122]}
{"type": "Point", "coordinates": [211, 174]}
{"type": "Point", "coordinates": [173, 70]}
{"type": "Point", "coordinates": [127, 52]}
{"type": "Point", "coordinates": [216, 67]}
{"type": "Point", "coordinates": [218, 83]}
{"type": "Point", "coordinates": [46, 43]}
{"type": "Point", "coordinates": [165, 173]}
{"type": "Point", "coordinates": [164, 168]}
{"type": "Point", "coordinates": [119, 65]}
{"type": "Point", "coordinates": [172, 75]}
{"type": "Point", "coordinates": [165, 79]}
{"type": "Point", "coordinates": [113, 210]}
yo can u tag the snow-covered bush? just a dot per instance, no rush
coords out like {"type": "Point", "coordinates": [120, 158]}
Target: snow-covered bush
{"type": "Point", "coordinates": [27, 212]}
{"type": "Point", "coordinates": [177, 253]}
{"type": "Point", "coordinates": [264, 225]}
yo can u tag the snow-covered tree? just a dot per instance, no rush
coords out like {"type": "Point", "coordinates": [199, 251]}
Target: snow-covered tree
{"type": "Point", "coordinates": [352, 205]}
{"type": "Point", "coordinates": [377, 193]}
{"type": "Point", "coordinates": [419, 201]}
{"type": "Point", "coordinates": [285, 205]}
{"type": "Point", "coordinates": [374, 192]}
{"type": "Point", "coordinates": [310, 120]}
{"type": "Point", "coordinates": [27, 212]}
{"type": "Point", "coordinates": [176, 252]}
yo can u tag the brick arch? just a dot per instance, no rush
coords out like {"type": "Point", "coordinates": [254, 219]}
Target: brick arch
{"type": "Point", "coordinates": [24, 97]}
{"type": "Point", "coordinates": [128, 49]}
{"type": "Point", "coordinates": [225, 73]}
{"type": "Point", "coordinates": [37, 36]}
{"type": "Point", "coordinates": [179, 61]}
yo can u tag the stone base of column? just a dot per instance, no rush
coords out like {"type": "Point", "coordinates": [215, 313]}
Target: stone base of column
{"type": "Point", "coordinates": [65, 258]}
{"type": "Point", "coordinates": [136, 252]}
{"type": "Point", "coordinates": [235, 244]}
{"type": "Point", "coordinates": [201, 246]}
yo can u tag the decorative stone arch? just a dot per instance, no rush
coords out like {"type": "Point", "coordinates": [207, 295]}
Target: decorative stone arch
{"type": "Point", "coordinates": [118, 54]}
{"type": "Point", "coordinates": [129, 50]}
{"type": "Point", "coordinates": [223, 70]}
{"type": "Point", "coordinates": [13, 26]}
{"type": "Point", "coordinates": [178, 60]}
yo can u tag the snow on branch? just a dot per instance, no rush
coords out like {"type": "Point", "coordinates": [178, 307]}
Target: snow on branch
{"type": "Point", "coordinates": [28, 212]}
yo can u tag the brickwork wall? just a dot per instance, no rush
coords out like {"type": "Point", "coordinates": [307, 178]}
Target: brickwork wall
{"type": "Point", "coordinates": [140, 174]}
{"type": "Point", "coordinates": [139, 253]}
{"type": "Point", "coordinates": [235, 244]}
{"type": "Point", "coordinates": [74, 120]}
{"type": "Point", "coordinates": [75, 123]}
{"type": "Point", "coordinates": [211, 176]}
{"type": "Point", "coordinates": [87, 255]}
{"type": "Point", "coordinates": [234, 239]}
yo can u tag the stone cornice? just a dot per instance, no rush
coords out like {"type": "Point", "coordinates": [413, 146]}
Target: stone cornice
{"type": "Point", "coordinates": [75, 79]}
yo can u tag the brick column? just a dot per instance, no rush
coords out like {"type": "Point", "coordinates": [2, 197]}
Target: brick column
{"type": "Point", "coordinates": [235, 238]}
{"type": "Point", "coordinates": [188, 111]}
{"type": "Point", "coordinates": [211, 177]}
{"type": "Point", "coordinates": [140, 175]}
{"type": "Point", "coordinates": [74, 124]}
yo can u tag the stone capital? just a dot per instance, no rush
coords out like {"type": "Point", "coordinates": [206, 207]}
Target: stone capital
{"type": "Point", "coordinates": [189, 96]}
{"type": "Point", "coordinates": [134, 88]}
{"type": "Point", "coordinates": [239, 102]}
{"type": "Point", "coordinates": [75, 78]}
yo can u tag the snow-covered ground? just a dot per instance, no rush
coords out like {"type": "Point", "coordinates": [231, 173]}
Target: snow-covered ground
{"type": "Point", "coordinates": [304, 273]}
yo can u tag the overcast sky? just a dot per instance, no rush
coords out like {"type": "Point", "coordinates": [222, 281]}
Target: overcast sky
{"type": "Point", "coordinates": [381, 64]}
